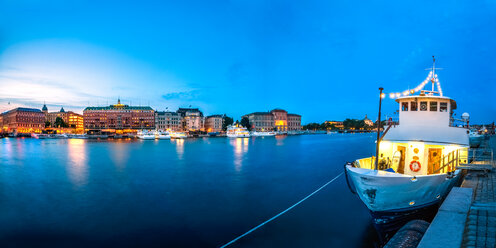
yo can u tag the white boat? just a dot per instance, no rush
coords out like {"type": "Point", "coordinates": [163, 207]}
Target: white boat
{"type": "Point", "coordinates": [237, 131]}
{"type": "Point", "coordinates": [178, 135]}
{"type": "Point", "coordinates": [39, 135]}
{"type": "Point", "coordinates": [418, 159]}
{"type": "Point", "coordinates": [475, 138]}
{"type": "Point", "coordinates": [159, 134]}
{"type": "Point", "coordinates": [146, 135]}
{"type": "Point", "coordinates": [262, 134]}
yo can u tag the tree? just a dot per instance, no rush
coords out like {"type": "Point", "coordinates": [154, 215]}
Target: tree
{"type": "Point", "coordinates": [312, 126]}
{"type": "Point", "coordinates": [59, 122]}
{"type": "Point", "coordinates": [47, 124]}
{"type": "Point", "coordinates": [227, 121]}
{"type": "Point", "coordinates": [245, 122]}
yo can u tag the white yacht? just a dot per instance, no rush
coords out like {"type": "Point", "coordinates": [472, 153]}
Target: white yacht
{"type": "Point", "coordinates": [262, 134]}
{"type": "Point", "coordinates": [178, 135]}
{"type": "Point", "coordinates": [159, 134]}
{"type": "Point", "coordinates": [237, 131]}
{"type": "Point", "coordinates": [417, 159]}
{"type": "Point", "coordinates": [146, 135]}
{"type": "Point", "coordinates": [475, 138]}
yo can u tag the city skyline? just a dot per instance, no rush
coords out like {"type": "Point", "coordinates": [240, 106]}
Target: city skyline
{"type": "Point", "coordinates": [236, 57]}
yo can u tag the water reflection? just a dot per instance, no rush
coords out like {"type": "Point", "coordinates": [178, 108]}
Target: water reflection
{"type": "Point", "coordinates": [280, 139]}
{"type": "Point", "coordinates": [77, 167]}
{"type": "Point", "coordinates": [179, 148]}
{"type": "Point", "coordinates": [240, 148]}
{"type": "Point", "coordinates": [120, 155]}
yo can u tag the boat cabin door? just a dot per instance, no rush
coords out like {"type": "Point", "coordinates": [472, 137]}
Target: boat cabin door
{"type": "Point", "coordinates": [434, 159]}
{"type": "Point", "coordinates": [399, 159]}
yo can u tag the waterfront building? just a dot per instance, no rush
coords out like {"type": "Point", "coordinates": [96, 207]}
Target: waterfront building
{"type": "Point", "coordinates": [368, 122]}
{"type": "Point", "coordinates": [192, 119]}
{"type": "Point", "coordinates": [337, 124]}
{"type": "Point", "coordinates": [118, 118]}
{"type": "Point", "coordinates": [261, 121]}
{"type": "Point", "coordinates": [213, 123]}
{"type": "Point", "coordinates": [275, 120]}
{"type": "Point", "coordinates": [23, 120]}
{"type": "Point", "coordinates": [168, 120]}
{"type": "Point", "coordinates": [74, 121]}
{"type": "Point", "coordinates": [294, 122]}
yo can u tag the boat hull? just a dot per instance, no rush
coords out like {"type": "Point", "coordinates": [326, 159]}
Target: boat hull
{"type": "Point", "coordinates": [386, 193]}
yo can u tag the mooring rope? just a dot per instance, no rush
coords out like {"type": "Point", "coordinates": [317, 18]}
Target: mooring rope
{"type": "Point", "coordinates": [281, 213]}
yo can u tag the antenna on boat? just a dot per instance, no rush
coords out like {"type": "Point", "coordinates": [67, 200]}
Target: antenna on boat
{"type": "Point", "coordinates": [433, 72]}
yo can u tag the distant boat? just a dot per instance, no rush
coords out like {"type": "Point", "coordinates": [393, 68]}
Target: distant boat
{"type": "Point", "coordinates": [178, 135]}
{"type": "Point", "coordinates": [475, 138]}
{"type": "Point", "coordinates": [146, 135]}
{"type": "Point", "coordinates": [39, 135]}
{"type": "Point", "coordinates": [262, 134]}
{"type": "Point", "coordinates": [237, 132]}
{"type": "Point", "coordinates": [159, 134]}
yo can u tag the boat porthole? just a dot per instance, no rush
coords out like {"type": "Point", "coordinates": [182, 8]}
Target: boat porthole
{"type": "Point", "coordinates": [412, 203]}
{"type": "Point", "coordinates": [438, 196]}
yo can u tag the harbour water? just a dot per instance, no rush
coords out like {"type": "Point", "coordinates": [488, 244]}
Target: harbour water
{"type": "Point", "coordinates": [199, 192]}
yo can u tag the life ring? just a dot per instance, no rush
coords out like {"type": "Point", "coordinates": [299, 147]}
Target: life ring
{"type": "Point", "coordinates": [415, 166]}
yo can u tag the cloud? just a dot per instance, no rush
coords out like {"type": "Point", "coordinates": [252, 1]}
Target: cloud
{"type": "Point", "coordinates": [184, 95]}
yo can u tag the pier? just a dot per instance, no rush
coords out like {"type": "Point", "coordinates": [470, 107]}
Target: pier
{"type": "Point", "coordinates": [467, 218]}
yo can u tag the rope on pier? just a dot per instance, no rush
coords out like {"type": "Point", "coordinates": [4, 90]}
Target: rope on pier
{"type": "Point", "coordinates": [281, 213]}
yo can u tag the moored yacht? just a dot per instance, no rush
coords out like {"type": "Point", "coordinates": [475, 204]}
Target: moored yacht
{"type": "Point", "coordinates": [417, 159]}
{"type": "Point", "coordinates": [237, 131]}
{"type": "Point", "coordinates": [146, 135]}
{"type": "Point", "coordinates": [178, 135]}
{"type": "Point", "coordinates": [159, 134]}
{"type": "Point", "coordinates": [255, 133]}
{"type": "Point", "coordinates": [475, 138]}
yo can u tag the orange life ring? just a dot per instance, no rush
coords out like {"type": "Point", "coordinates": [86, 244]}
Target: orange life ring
{"type": "Point", "coordinates": [415, 166]}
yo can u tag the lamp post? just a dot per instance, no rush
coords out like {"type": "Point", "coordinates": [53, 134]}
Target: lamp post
{"type": "Point", "coordinates": [378, 129]}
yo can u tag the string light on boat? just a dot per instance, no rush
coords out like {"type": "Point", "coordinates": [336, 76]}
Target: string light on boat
{"type": "Point", "coordinates": [418, 88]}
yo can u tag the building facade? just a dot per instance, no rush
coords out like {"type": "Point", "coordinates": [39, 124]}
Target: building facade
{"type": "Point", "coordinates": [192, 119]}
{"type": "Point", "coordinates": [368, 122]}
{"type": "Point", "coordinates": [261, 121]}
{"type": "Point", "coordinates": [275, 120]}
{"type": "Point", "coordinates": [337, 124]}
{"type": "Point", "coordinates": [213, 123]}
{"type": "Point", "coordinates": [166, 120]}
{"type": "Point", "coordinates": [294, 122]}
{"type": "Point", "coordinates": [23, 120]}
{"type": "Point", "coordinates": [74, 121]}
{"type": "Point", "coordinates": [119, 118]}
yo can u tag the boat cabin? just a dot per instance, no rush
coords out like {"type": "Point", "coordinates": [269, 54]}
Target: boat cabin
{"type": "Point", "coordinates": [425, 141]}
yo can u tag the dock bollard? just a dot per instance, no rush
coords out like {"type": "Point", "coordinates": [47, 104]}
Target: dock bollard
{"type": "Point", "coordinates": [409, 235]}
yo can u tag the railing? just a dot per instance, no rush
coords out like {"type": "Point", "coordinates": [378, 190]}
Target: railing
{"type": "Point", "coordinates": [457, 122]}
{"type": "Point", "coordinates": [481, 156]}
{"type": "Point", "coordinates": [449, 162]}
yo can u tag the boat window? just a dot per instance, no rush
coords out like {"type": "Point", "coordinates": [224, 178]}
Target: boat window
{"type": "Point", "coordinates": [413, 106]}
{"type": "Point", "coordinates": [404, 106]}
{"type": "Point", "coordinates": [443, 106]}
{"type": "Point", "coordinates": [423, 106]}
{"type": "Point", "coordinates": [433, 106]}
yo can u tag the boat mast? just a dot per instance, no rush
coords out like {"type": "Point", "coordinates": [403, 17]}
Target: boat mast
{"type": "Point", "coordinates": [378, 129]}
{"type": "Point", "coordinates": [433, 71]}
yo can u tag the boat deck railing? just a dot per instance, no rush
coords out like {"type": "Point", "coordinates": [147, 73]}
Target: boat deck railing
{"type": "Point", "coordinates": [454, 122]}
{"type": "Point", "coordinates": [479, 159]}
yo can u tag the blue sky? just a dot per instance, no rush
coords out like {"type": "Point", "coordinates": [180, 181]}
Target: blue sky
{"type": "Point", "coordinates": [321, 59]}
